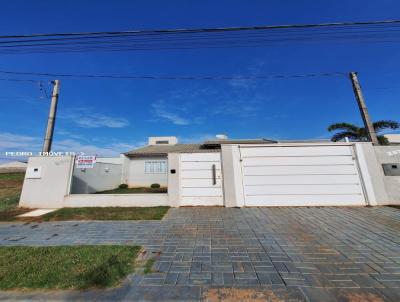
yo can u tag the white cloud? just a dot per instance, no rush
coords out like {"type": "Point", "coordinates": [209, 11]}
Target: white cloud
{"type": "Point", "coordinates": [85, 118]}
{"type": "Point", "coordinates": [100, 120]}
{"type": "Point", "coordinates": [238, 107]}
{"type": "Point", "coordinates": [10, 142]}
{"type": "Point", "coordinates": [160, 110]}
{"type": "Point", "coordinates": [71, 145]}
{"type": "Point", "coordinates": [184, 106]}
{"type": "Point", "coordinates": [245, 82]}
{"type": "Point", "coordinates": [124, 147]}
{"type": "Point", "coordinates": [66, 133]}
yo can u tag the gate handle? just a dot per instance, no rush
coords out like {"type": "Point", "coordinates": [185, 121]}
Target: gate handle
{"type": "Point", "coordinates": [214, 175]}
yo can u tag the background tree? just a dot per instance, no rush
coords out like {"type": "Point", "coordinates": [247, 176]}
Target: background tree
{"type": "Point", "coordinates": [355, 133]}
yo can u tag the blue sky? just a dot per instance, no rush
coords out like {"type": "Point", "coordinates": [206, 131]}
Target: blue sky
{"type": "Point", "coordinates": [105, 117]}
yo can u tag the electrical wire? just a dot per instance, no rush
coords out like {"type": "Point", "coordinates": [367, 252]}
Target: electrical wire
{"type": "Point", "coordinates": [215, 35]}
{"type": "Point", "coordinates": [222, 29]}
{"type": "Point", "coordinates": [19, 80]}
{"type": "Point", "coordinates": [43, 89]}
{"type": "Point", "coordinates": [169, 77]}
{"type": "Point", "coordinates": [387, 31]}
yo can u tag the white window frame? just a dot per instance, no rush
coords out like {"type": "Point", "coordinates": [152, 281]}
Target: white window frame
{"type": "Point", "coordinates": [155, 167]}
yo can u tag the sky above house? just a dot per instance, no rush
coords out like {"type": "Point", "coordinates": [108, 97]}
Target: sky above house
{"type": "Point", "coordinates": [109, 116]}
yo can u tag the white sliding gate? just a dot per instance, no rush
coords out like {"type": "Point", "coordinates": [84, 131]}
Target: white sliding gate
{"type": "Point", "coordinates": [300, 176]}
{"type": "Point", "coordinates": [201, 179]}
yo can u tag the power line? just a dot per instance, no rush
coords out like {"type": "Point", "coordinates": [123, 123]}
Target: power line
{"type": "Point", "coordinates": [373, 29]}
{"type": "Point", "coordinates": [214, 39]}
{"type": "Point", "coordinates": [218, 29]}
{"type": "Point", "coordinates": [169, 77]}
{"type": "Point", "coordinates": [227, 37]}
{"type": "Point", "coordinates": [43, 89]}
{"type": "Point", "coordinates": [19, 80]}
{"type": "Point", "coordinates": [383, 88]}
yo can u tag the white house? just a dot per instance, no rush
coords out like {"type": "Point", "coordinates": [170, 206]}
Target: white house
{"type": "Point", "coordinates": [149, 164]}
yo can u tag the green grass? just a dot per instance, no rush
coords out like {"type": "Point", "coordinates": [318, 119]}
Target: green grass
{"type": "Point", "coordinates": [12, 176]}
{"type": "Point", "coordinates": [107, 213]}
{"type": "Point", "coordinates": [10, 202]}
{"type": "Point", "coordinates": [10, 190]}
{"type": "Point", "coordinates": [65, 267]}
{"type": "Point", "coordinates": [134, 190]}
{"type": "Point", "coordinates": [148, 267]}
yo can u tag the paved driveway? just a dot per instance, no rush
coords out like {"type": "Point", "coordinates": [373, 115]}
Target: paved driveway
{"type": "Point", "coordinates": [303, 254]}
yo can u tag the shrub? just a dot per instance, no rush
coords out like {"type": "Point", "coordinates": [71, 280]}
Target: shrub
{"type": "Point", "coordinates": [155, 186]}
{"type": "Point", "coordinates": [123, 186]}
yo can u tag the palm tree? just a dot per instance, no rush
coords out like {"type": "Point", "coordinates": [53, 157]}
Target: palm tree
{"type": "Point", "coordinates": [355, 133]}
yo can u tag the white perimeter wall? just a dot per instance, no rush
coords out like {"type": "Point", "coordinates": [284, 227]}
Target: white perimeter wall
{"type": "Point", "coordinates": [52, 189]}
{"type": "Point", "coordinates": [103, 176]}
{"type": "Point", "coordinates": [109, 160]}
{"type": "Point", "coordinates": [116, 200]}
{"type": "Point", "coordinates": [49, 190]}
{"type": "Point", "coordinates": [389, 155]}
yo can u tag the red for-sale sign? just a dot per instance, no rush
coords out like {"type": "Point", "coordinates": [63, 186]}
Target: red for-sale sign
{"type": "Point", "coordinates": [85, 161]}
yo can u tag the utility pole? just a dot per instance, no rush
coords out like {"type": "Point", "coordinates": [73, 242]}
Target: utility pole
{"type": "Point", "coordinates": [363, 109]}
{"type": "Point", "coordinates": [52, 117]}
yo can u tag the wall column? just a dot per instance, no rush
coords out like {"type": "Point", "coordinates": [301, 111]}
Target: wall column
{"type": "Point", "coordinates": [174, 182]}
{"type": "Point", "coordinates": [371, 174]}
{"type": "Point", "coordinates": [232, 176]}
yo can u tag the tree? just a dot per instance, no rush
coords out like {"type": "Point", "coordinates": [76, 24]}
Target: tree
{"type": "Point", "coordinates": [355, 133]}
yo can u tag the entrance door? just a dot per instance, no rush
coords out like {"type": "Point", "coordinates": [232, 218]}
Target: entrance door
{"type": "Point", "coordinates": [201, 179]}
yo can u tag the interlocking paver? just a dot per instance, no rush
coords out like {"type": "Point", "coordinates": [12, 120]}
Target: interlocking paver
{"type": "Point", "coordinates": [200, 275]}
{"type": "Point", "coordinates": [315, 249]}
{"type": "Point", "coordinates": [318, 294]}
{"type": "Point", "coordinates": [171, 278]}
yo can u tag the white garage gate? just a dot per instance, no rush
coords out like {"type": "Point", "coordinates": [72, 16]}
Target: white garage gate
{"type": "Point", "coordinates": [300, 176]}
{"type": "Point", "coordinates": [201, 179]}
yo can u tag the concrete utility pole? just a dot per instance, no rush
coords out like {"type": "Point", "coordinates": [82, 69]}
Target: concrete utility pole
{"type": "Point", "coordinates": [363, 109]}
{"type": "Point", "coordinates": [52, 118]}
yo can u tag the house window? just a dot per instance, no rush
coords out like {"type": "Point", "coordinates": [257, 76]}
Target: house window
{"type": "Point", "coordinates": [162, 142]}
{"type": "Point", "coordinates": [155, 167]}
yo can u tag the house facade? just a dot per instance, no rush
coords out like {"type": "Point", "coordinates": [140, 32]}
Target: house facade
{"type": "Point", "coordinates": [232, 173]}
{"type": "Point", "coordinates": [149, 164]}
